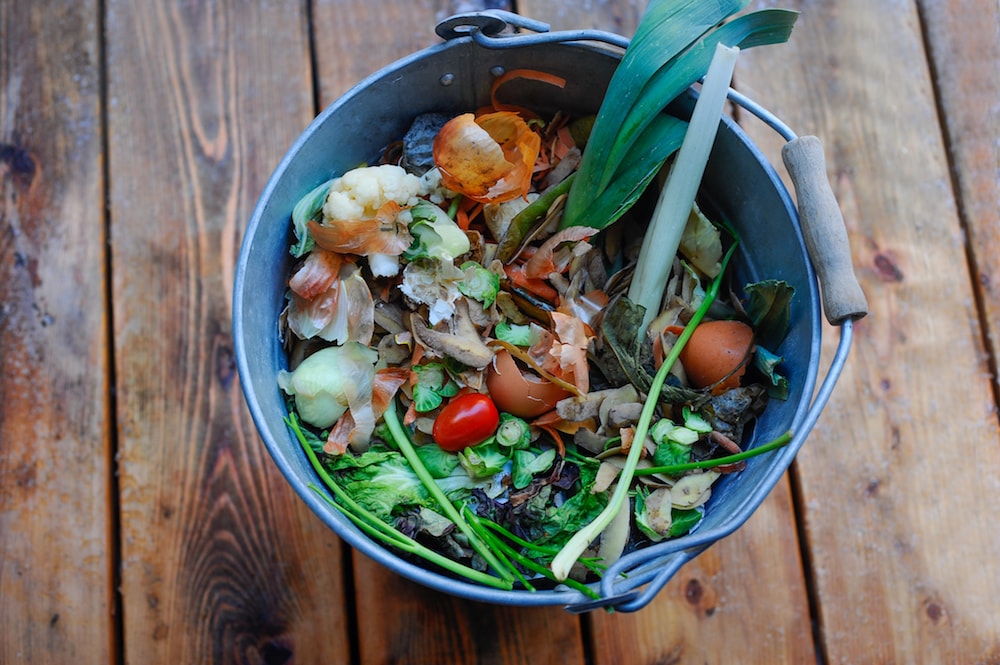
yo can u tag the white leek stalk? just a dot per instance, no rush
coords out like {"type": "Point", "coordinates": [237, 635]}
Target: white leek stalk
{"type": "Point", "coordinates": [674, 205]}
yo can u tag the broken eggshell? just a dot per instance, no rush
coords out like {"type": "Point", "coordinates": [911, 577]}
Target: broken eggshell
{"type": "Point", "coordinates": [520, 393]}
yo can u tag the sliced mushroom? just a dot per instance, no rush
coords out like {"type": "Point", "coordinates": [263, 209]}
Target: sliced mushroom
{"type": "Point", "coordinates": [462, 342]}
{"type": "Point", "coordinates": [622, 415]}
{"type": "Point", "coordinates": [693, 489]}
{"type": "Point", "coordinates": [607, 473]}
{"type": "Point", "coordinates": [659, 506]}
{"type": "Point", "coordinates": [590, 441]}
{"type": "Point", "coordinates": [614, 538]}
{"type": "Point", "coordinates": [731, 448]}
{"type": "Point", "coordinates": [623, 395]}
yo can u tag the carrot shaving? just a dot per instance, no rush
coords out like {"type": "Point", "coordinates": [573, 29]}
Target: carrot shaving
{"type": "Point", "coordinates": [468, 211]}
{"type": "Point", "coordinates": [556, 438]}
{"type": "Point", "coordinates": [539, 287]}
{"type": "Point", "coordinates": [564, 142]}
{"type": "Point", "coordinates": [418, 355]}
{"type": "Point", "coordinates": [410, 416]}
{"type": "Point", "coordinates": [529, 74]}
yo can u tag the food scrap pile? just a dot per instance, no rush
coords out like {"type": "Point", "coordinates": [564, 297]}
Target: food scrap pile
{"type": "Point", "coordinates": [468, 375]}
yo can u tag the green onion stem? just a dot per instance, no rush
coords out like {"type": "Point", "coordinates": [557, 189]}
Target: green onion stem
{"type": "Point", "coordinates": [402, 440]}
{"type": "Point", "coordinates": [376, 528]}
{"type": "Point", "coordinates": [496, 545]}
{"type": "Point", "coordinates": [591, 563]}
{"type": "Point", "coordinates": [572, 550]}
{"type": "Point", "coordinates": [672, 469]}
{"type": "Point", "coordinates": [407, 544]}
{"type": "Point", "coordinates": [533, 565]}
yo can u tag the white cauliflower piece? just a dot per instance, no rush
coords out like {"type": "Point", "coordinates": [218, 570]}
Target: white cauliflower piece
{"type": "Point", "coordinates": [436, 192]}
{"type": "Point", "coordinates": [435, 284]}
{"type": "Point", "coordinates": [359, 193]}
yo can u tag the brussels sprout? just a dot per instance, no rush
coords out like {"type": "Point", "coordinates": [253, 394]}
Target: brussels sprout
{"type": "Point", "coordinates": [479, 283]}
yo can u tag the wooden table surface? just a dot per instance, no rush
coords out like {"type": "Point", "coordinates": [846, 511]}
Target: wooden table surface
{"type": "Point", "coordinates": [141, 518]}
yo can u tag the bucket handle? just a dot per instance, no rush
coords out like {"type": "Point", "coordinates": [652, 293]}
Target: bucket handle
{"type": "Point", "coordinates": [633, 581]}
{"type": "Point", "coordinates": [493, 28]}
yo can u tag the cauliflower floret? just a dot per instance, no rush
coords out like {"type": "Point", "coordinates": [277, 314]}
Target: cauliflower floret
{"type": "Point", "coordinates": [436, 192]}
{"type": "Point", "coordinates": [359, 193]}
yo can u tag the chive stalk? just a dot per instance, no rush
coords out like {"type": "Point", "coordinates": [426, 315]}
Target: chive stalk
{"type": "Point", "coordinates": [672, 469]}
{"type": "Point", "coordinates": [379, 530]}
{"type": "Point", "coordinates": [571, 551]}
{"type": "Point", "coordinates": [402, 440]}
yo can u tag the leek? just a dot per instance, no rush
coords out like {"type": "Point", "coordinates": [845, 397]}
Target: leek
{"type": "Point", "coordinates": [663, 236]}
{"type": "Point", "coordinates": [671, 50]}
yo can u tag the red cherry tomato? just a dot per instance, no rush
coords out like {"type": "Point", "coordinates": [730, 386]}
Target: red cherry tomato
{"type": "Point", "coordinates": [465, 421]}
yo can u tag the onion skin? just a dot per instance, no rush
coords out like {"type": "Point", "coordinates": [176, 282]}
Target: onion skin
{"type": "Point", "coordinates": [717, 352]}
{"type": "Point", "coordinates": [489, 158]}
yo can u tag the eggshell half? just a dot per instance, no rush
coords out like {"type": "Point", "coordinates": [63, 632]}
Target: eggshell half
{"type": "Point", "coordinates": [521, 393]}
{"type": "Point", "coordinates": [717, 349]}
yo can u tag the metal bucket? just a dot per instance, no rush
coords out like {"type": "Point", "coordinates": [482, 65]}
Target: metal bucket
{"type": "Point", "coordinates": [456, 76]}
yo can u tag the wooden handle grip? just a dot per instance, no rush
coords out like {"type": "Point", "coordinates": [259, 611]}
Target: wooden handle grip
{"type": "Point", "coordinates": [824, 230]}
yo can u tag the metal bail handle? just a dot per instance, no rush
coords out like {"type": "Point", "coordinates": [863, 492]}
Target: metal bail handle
{"type": "Point", "coordinates": [498, 29]}
{"type": "Point", "coordinates": [491, 23]}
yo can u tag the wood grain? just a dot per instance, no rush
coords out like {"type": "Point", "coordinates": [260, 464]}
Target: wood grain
{"type": "Point", "coordinates": [402, 622]}
{"type": "Point", "coordinates": [221, 563]}
{"type": "Point", "coordinates": [56, 552]}
{"type": "Point", "coordinates": [899, 482]}
{"type": "Point", "coordinates": [742, 600]}
{"type": "Point", "coordinates": [963, 44]}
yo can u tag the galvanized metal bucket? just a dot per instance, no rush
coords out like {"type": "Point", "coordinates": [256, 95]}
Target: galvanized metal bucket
{"type": "Point", "coordinates": [742, 186]}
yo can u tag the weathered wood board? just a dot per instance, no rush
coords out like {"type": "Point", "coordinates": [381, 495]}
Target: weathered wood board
{"type": "Point", "coordinates": [57, 601]}
{"type": "Point", "coordinates": [220, 561]}
{"type": "Point", "coordinates": [904, 463]}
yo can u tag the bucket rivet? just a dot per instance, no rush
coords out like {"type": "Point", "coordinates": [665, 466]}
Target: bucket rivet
{"type": "Point", "coordinates": [447, 79]}
{"type": "Point", "coordinates": [497, 71]}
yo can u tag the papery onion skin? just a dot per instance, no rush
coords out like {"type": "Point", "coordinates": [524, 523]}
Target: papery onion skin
{"type": "Point", "coordinates": [489, 158]}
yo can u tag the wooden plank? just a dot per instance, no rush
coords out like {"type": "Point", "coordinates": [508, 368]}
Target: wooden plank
{"type": "Point", "coordinates": [746, 595]}
{"type": "Point", "coordinates": [56, 546]}
{"type": "Point", "coordinates": [400, 622]}
{"type": "Point", "coordinates": [352, 41]}
{"type": "Point", "coordinates": [964, 46]}
{"type": "Point", "coordinates": [742, 599]}
{"type": "Point", "coordinates": [618, 16]}
{"type": "Point", "coordinates": [220, 561]}
{"type": "Point", "coordinates": [899, 482]}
